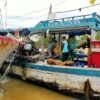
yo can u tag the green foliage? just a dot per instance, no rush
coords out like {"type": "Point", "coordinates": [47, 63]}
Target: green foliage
{"type": "Point", "coordinates": [82, 37]}
{"type": "Point", "coordinates": [46, 41]}
{"type": "Point", "coordinates": [97, 37]}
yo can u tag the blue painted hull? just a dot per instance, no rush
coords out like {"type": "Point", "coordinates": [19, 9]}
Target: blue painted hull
{"type": "Point", "coordinates": [78, 71]}
{"type": "Point", "coordinates": [64, 78]}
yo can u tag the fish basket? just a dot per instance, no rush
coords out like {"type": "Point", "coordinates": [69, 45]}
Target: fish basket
{"type": "Point", "coordinates": [69, 63]}
{"type": "Point", "coordinates": [61, 64]}
{"type": "Point", "coordinates": [49, 61]}
{"type": "Point", "coordinates": [58, 62]}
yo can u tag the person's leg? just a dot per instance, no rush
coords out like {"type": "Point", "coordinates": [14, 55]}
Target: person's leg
{"type": "Point", "coordinates": [49, 53]}
{"type": "Point", "coordinates": [66, 56]}
{"type": "Point", "coordinates": [71, 53]}
{"type": "Point", "coordinates": [63, 56]}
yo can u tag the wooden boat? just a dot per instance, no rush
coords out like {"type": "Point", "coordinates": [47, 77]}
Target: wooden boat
{"type": "Point", "coordinates": [7, 45]}
{"type": "Point", "coordinates": [74, 80]}
{"type": "Point", "coordinates": [69, 79]}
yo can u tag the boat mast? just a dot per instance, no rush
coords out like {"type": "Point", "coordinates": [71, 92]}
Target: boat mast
{"type": "Point", "coordinates": [6, 14]}
{"type": "Point", "coordinates": [5, 6]}
{"type": "Point", "coordinates": [2, 26]}
{"type": "Point", "coordinates": [43, 33]}
{"type": "Point", "coordinates": [50, 11]}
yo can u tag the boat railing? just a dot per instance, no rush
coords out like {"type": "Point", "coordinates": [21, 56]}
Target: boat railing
{"type": "Point", "coordinates": [69, 22]}
{"type": "Point", "coordinates": [75, 19]}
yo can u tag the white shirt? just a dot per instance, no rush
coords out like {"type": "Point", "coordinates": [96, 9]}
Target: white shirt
{"type": "Point", "coordinates": [28, 47]}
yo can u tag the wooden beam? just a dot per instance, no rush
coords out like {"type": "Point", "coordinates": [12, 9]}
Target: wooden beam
{"type": "Point", "coordinates": [42, 45]}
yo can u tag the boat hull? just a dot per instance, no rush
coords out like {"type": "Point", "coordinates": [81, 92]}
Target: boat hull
{"type": "Point", "coordinates": [5, 50]}
{"type": "Point", "coordinates": [7, 45]}
{"type": "Point", "coordinates": [71, 80]}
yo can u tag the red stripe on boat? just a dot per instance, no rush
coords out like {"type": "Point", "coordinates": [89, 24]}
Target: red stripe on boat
{"type": "Point", "coordinates": [8, 39]}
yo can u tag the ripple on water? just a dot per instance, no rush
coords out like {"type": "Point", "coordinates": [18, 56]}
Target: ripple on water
{"type": "Point", "coordinates": [4, 80]}
{"type": "Point", "coordinates": [1, 92]}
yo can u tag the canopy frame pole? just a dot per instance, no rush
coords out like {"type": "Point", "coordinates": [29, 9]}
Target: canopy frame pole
{"type": "Point", "coordinates": [59, 39]}
{"type": "Point", "coordinates": [42, 46]}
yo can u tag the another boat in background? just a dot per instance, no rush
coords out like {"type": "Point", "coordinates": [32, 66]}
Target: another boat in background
{"type": "Point", "coordinates": [8, 44]}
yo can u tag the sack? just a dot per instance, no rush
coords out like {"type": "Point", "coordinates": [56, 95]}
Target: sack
{"type": "Point", "coordinates": [87, 51]}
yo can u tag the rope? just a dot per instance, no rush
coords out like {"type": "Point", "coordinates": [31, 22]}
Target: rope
{"type": "Point", "coordinates": [37, 11]}
{"type": "Point", "coordinates": [56, 13]}
{"type": "Point", "coordinates": [79, 8]}
{"type": "Point", "coordinates": [27, 19]}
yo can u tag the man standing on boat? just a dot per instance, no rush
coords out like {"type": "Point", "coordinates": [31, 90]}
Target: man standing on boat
{"type": "Point", "coordinates": [73, 47]}
{"type": "Point", "coordinates": [51, 49]}
{"type": "Point", "coordinates": [64, 49]}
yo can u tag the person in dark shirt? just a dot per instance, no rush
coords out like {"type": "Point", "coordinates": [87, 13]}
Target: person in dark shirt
{"type": "Point", "coordinates": [51, 48]}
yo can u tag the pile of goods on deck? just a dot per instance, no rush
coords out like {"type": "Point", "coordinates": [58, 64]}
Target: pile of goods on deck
{"type": "Point", "coordinates": [51, 61]}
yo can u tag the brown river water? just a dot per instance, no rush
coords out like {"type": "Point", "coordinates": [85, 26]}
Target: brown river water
{"type": "Point", "coordinates": [15, 89]}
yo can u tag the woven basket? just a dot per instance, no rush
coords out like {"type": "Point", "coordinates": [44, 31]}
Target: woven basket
{"type": "Point", "coordinates": [61, 64]}
{"type": "Point", "coordinates": [58, 62]}
{"type": "Point", "coordinates": [49, 61]}
{"type": "Point", "coordinates": [69, 63]}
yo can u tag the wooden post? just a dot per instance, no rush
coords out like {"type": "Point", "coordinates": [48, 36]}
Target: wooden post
{"type": "Point", "coordinates": [59, 39]}
{"type": "Point", "coordinates": [42, 45]}
{"type": "Point", "coordinates": [87, 89]}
